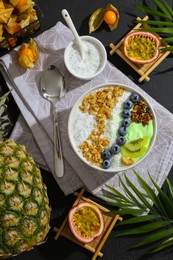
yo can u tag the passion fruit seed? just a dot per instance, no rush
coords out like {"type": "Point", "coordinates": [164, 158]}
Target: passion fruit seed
{"type": "Point", "coordinates": [141, 47]}
{"type": "Point", "coordinates": [86, 222]}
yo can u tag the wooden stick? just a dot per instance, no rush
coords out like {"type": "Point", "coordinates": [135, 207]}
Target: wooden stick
{"type": "Point", "coordinates": [66, 235]}
{"type": "Point", "coordinates": [105, 237]}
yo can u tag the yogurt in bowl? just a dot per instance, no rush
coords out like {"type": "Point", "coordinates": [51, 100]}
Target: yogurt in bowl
{"type": "Point", "coordinates": [94, 60]}
{"type": "Point", "coordinates": [112, 127]}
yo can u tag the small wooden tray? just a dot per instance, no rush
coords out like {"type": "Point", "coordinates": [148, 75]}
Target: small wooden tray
{"type": "Point", "coordinates": [142, 70]}
{"type": "Point", "coordinates": [98, 243]}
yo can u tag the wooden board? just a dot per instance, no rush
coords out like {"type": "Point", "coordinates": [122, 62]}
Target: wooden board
{"type": "Point", "coordinates": [98, 243]}
{"type": "Point", "coordinates": [142, 70]}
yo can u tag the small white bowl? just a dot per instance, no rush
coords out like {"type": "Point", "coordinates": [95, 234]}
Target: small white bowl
{"type": "Point", "coordinates": [79, 122]}
{"type": "Point", "coordinates": [94, 59]}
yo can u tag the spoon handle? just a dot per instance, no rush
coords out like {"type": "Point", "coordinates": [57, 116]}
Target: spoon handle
{"type": "Point", "coordinates": [70, 24]}
{"type": "Point", "coordinates": [58, 157]}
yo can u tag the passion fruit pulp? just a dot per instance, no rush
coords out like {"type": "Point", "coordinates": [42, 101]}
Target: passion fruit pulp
{"type": "Point", "coordinates": [86, 222]}
{"type": "Point", "coordinates": [141, 47]}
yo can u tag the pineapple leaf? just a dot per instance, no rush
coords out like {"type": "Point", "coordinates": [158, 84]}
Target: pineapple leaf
{"type": "Point", "coordinates": [162, 8]}
{"type": "Point", "coordinates": [151, 11]}
{"type": "Point", "coordinates": [154, 237]}
{"type": "Point", "coordinates": [145, 228]}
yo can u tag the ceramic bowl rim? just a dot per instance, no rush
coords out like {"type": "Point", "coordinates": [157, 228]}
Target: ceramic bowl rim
{"type": "Point", "coordinates": [104, 59]}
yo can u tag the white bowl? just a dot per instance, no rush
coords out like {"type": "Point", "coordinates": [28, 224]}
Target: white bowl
{"type": "Point", "coordinates": [94, 59]}
{"type": "Point", "coordinates": [79, 122]}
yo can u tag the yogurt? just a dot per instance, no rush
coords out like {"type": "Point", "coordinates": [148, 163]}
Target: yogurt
{"type": "Point", "coordinates": [93, 62]}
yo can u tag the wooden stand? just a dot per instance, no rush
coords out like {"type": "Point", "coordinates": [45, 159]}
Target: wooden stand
{"type": "Point", "coordinates": [98, 243]}
{"type": "Point", "coordinates": [142, 70]}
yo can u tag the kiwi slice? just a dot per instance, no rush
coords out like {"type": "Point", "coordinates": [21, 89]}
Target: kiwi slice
{"type": "Point", "coordinates": [135, 154]}
{"type": "Point", "coordinates": [137, 144]}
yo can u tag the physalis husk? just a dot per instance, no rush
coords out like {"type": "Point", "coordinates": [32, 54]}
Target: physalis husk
{"type": "Point", "coordinates": [28, 54]}
{"type": "Point", "coordinates": [98, 17]}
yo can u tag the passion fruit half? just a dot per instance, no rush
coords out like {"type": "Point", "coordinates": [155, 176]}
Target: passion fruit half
{"type": "Point", "coordinates": [141, 47]}
{"type": "Point", "coordinates": [86, 222]}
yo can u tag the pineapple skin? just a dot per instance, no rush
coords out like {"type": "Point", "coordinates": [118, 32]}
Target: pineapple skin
{"type": "Point", "coordinates": [24, 202]}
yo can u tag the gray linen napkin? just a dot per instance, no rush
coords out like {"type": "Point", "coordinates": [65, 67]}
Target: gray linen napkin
{"type": "Point", "coordinates": [38, 137]}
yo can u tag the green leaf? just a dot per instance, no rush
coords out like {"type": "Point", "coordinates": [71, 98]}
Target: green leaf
{"type": "Point", "coordinates": [167, 39]}
{"type": "Point", "coordinates": [168, 7]}
{"type": "Point", "coordinates": [151, 11]}
{"type": "Point", "coordinates": [116, 192]}
{"type": "Point", "coordinates": [140, 219]}
{"type": "Point", "coordinates": [162, 8]}
{"type": "Point", "coordinates": [154, 237]}
{"type": "Point", "coordinates": [145, 228]}
{"type": "Point", "coordinates": [163, 245]}
{"type": "Point", "coordinates": [126, 212]}
{"type": "Point", "coordinates": [158, 30]}
{"type": "Point", "coordinates": [154, 22]}
{"type": "Point", "coordinates": [118, 204]}
{"type": "Point", "coordinates": [167, 49]}
{"type": "Point", "coordinates": [139, 194]}
{"type": "Point", "coordinates": [170, 187]}
{"type": "Point", "coordinates": [152, 195]}
{"type": "Point", "coordinates": [167, 202]}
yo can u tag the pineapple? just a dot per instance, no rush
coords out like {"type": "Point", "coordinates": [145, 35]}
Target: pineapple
{"type": "Point", "coordinates": [24, 203]}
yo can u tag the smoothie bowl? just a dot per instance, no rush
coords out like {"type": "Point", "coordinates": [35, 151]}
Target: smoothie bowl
{"type": "Point", "coordinates": [112, 127]}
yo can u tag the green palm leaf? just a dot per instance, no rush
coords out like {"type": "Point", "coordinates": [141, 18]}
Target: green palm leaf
{"type": "Point", "coordinates": [162, 8]}
{"type": "Point", "coordinates": [168, 7]}
{"type": "Point", "coordinates": [154, 22]}
{"type": "Point", "coordinates": [163, 245]}
{"type": "Point", "coordinates": [152, 196]}
{"type": "Point", "coordinates": [140, 219]}
{"type": "Point", "coordinates": [145, 228]}
{"type": "Point", "coordinates": [151, 11]}
{"type": "Point", "coordinates": [153, 214]}
{"type": "Point", "coordinates": [155, 237]}
{"type": "Point", "coordinates": [166, 200]}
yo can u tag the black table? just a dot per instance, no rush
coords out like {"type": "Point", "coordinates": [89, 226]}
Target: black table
{"type": "Point", "coordinates": [159, 87]}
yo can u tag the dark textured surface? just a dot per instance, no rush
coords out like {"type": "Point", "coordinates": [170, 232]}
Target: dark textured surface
{"type": "Point", "coordinates": [159, 87]}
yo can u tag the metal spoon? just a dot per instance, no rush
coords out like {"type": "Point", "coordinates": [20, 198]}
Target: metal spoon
{"type": "Point", "coordinates": [53, 87]}
{"type": "Point", "coordinates": [70, 24]}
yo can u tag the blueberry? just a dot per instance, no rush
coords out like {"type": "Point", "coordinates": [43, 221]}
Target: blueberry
{"type": "Point", "coordinates": [122, 131]}
{"type": "Point", "coordinates": [126, 122]}
{"type": "Point", "coordinates": [121, 140]}
{"type": "Point", "coordinates": [134, 97]}
{"type": "Point", "coordinates": [115, 149]}
{"type": "Point", "coordinates": [106, 154]}
{"type": "Point", "coordinates": [126, 113]}
{"type": "Point", "coordinates": [106, 164]}
{"type": "Point", "coordinates": [128, 104]}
